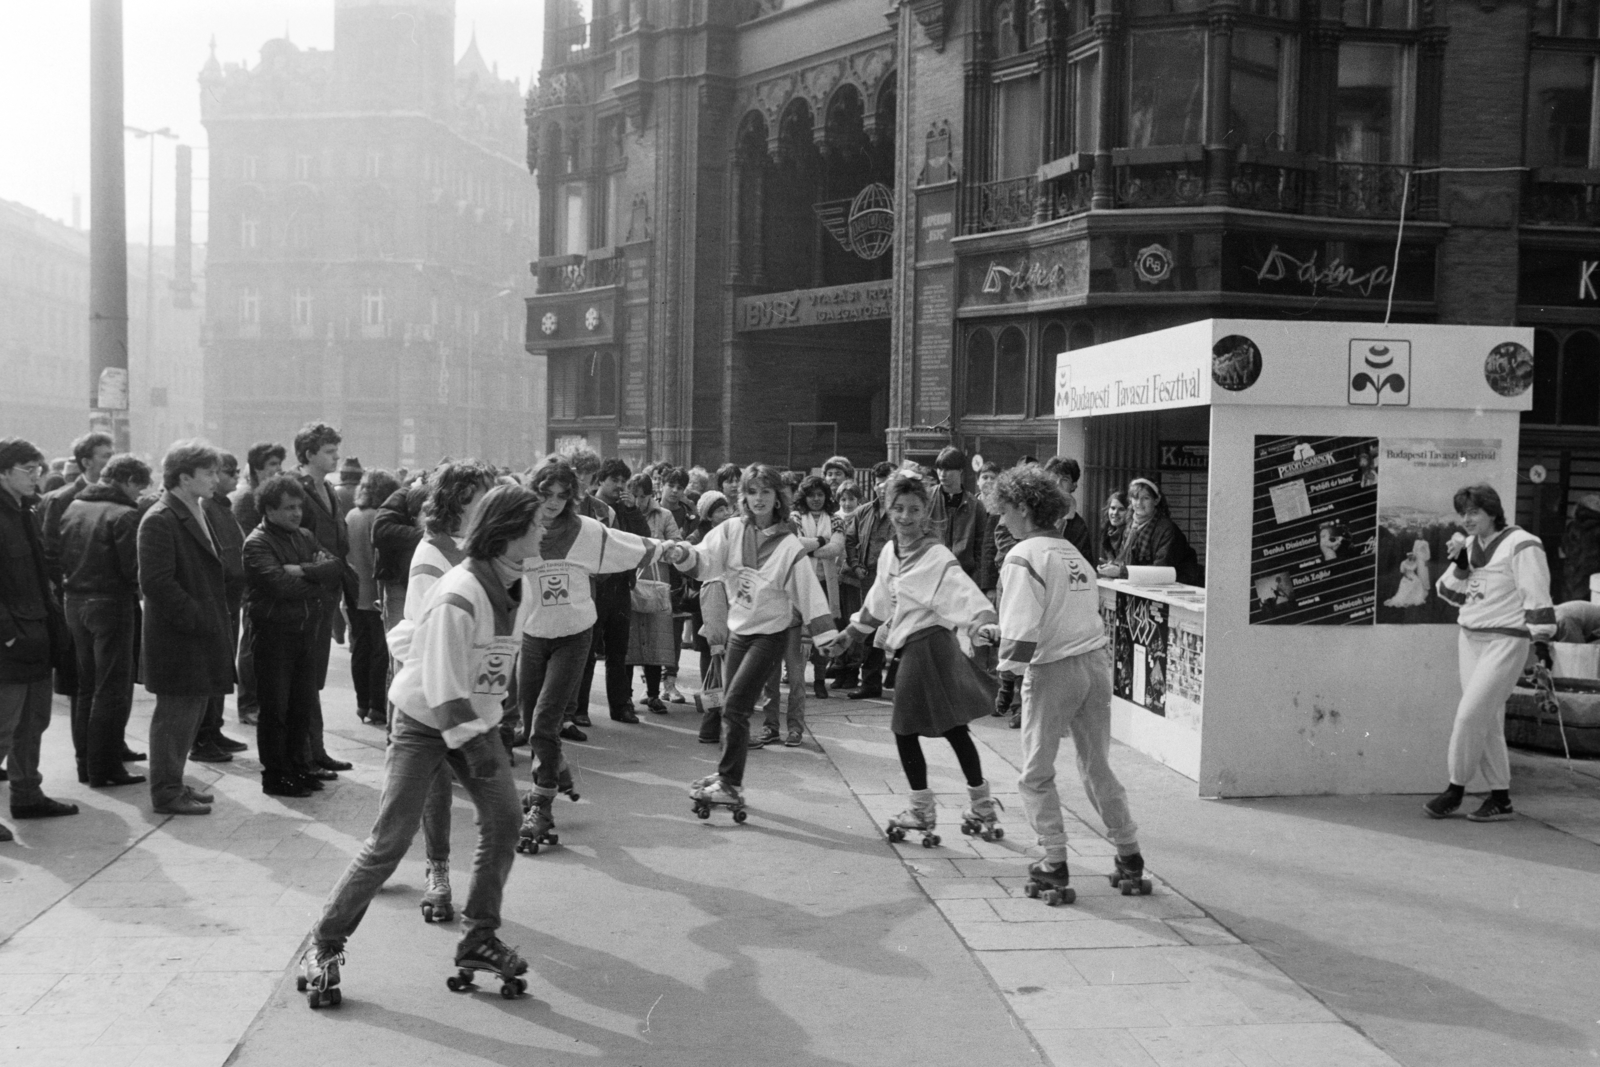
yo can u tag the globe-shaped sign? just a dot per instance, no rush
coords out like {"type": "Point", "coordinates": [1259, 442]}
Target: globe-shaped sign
{"type": "Point", "coordinates": [872, 221]}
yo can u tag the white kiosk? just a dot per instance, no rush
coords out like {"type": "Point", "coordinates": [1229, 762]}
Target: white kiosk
{"type": "Point", "coordinates": [1317, 658]}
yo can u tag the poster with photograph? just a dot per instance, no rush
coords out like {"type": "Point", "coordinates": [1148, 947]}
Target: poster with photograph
{"type": "Point", "coordinates": [1417, 516]}
{"type": "Point", "coordinates": [1141, 653]}
{"type": "Point", "coordinates": [1313, 544]}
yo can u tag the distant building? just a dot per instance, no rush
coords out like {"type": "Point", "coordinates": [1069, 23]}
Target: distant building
{"type": "Point", "coordinates": [371, 225]}
{"type": "Point", "coordinates": [44, 340]}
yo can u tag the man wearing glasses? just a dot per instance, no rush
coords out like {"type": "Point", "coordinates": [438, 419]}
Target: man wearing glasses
{"type": "Point", "coordinates": [27, 634]}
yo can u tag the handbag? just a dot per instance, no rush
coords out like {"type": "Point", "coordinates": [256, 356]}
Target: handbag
{"type": "Point", "coordinates": [650, 597]}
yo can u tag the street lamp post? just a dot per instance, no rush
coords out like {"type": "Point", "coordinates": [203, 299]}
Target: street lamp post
{"type": "Point", "coordinates": [150, 239]}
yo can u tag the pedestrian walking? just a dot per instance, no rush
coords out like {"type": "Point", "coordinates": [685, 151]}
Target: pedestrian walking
{"type": "Point", "coordinates": [1050, 633]}
{"type": "Point", "coordinates": [922, 596]}
{"type": "Point", "coordinates": [187, 647]}
{"type": "Point", "coordinates": [448, 697]}
{"type": "Point", "coordinates": [1499, 581]}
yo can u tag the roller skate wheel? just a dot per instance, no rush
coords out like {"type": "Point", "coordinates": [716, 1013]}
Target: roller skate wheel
{"type": "Point", "coordinates": [453, 984]}
{"type": "Point", "coordinates": [968, 828]}
{"type": "Point", "coordinates": [701, 811]}
{"type": "Point", "coordinates": [551, 839]}
{"type": "Point", "coordinates": [998, 833]}
{"type": "Point", "coordinates": [572, 796]}
{"type": "Point", "coordinates": [509, 991]}
{"type": "Point", "coordinates": [427, 913]}
{"type": "Point", "coordinates": [1031, 890]}
{"type": "Point", "coordinates": [1126, 886]}
{"type": "Point", "coordinates": [930, 840]}
{"type": "Point", "coordinates": [533, 848]}
{"type": "Point", "coordinates": [333, 997]}
{"type": "Point", "coordinates": [896, 835]}
{"type": "Point", "coordinates": [740, 816]}
{"type": "Point", "coordinates": [1145, 888]}
{"type": "Point", "coordinates": [314, 999]}
{"type": "Point", "coordinates": [522, 985]}
{"type": "Point", "coordinates": [300, 984]}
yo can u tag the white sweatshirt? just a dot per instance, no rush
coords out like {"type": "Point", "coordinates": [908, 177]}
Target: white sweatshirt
{"type": "Point", "coordinates": [768, 576]}
{"type": "Point", "coordinates": [1507, 589]}
{"type": "Point", "coordinates": [556, 600]}
{"type": "Point", "coordinates": [924, 588]}
{"type": "Point", "coordinates": [462, 656]}
{"type": "Point", "coordinates": [432, 560]}
{"type": "Point", "coordinates": [1049, 603]}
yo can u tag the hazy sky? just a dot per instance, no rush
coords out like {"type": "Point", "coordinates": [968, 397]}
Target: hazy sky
{"type": "Point", "coordinates": [44, 85]}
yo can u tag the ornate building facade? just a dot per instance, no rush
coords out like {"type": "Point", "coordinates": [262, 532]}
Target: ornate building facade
{"type": "Point", "coordinates": [1060, 173]}
{"type": "Point", "coordinates": [371, 223]}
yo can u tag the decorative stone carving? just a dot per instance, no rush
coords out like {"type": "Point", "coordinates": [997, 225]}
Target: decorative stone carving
{"type": "Point", "coordinates": [933, 16]}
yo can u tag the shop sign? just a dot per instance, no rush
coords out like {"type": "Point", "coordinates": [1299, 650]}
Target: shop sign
{"type": "Point", "coordinates": [1103, 381]}
{"type": "Point", "coordinates": [864, 224]}
{"type": "Point", "coordinates": [859, 302]}
{"type": "Point", "coordinates": [1351, 270]}
{"type": "Point", "coordinates": [1184, 455]}
{"type": "Point", "coordinates": [1031, 275]}
{"type": "Point", "coordinates": [936, 221]}
{"type": "Point", "coordinates": [1559, 278]}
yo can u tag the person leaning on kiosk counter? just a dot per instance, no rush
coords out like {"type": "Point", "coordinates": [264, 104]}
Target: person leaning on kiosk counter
{"type": "Point", "coordinates": [1152, 539]}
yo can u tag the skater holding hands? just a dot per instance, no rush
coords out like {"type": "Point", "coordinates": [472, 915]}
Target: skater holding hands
{"type": "Point", "coordinates": [448, 699]}
{"type": "Point", "coordinates": [922, 596]}
{"type": "Point", "coordinates": [1050, 634]}
{"type": "Point", "coordinates": [769, 577]}
{"type": "Point", "coordinates": [556, 620]}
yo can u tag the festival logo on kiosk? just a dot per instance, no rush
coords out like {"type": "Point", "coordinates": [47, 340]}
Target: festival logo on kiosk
{"type": "Point", "coordinates": [1509, 369]}
{"type": "Point", "coordinates": [1380, 372]}
{"type": "Point", "coordinates": [1235, 363]}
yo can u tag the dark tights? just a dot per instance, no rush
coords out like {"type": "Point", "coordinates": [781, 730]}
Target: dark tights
{"type": "Point", "coordinates": [916, 767]}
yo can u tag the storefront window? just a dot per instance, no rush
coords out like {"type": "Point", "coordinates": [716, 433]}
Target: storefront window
{"type": "Point", "coordinates": [583, 385]}
{"type": "Point", "coordinates": [1561, 113]}
{"type": "Point", "coordinates": [980, 373]}
{"type": "Point", "coordinates": [1011, 372]}
{"type": "Point", "coordinates": [1262, 89]}
{"type": "Point", "coordinates": [1166, 87]}
{"type": "Point", "coordinates": [1372, 113]}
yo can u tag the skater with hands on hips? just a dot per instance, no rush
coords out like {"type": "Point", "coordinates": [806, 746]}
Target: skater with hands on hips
{"type": "Point", "coordinates": [920, 598]}
{"type": "Point", "coordinates": [1051, 634]}
{"type": "Point", "coordinates": [448, 697]}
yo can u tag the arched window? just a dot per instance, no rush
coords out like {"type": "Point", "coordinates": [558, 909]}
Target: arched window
{"type": "Point", "coordinates": [1052, 342]}
{"type": "Point", "coordinates": [1006, 23]}
{"type": "Point", "coordinates": [980, 373]}
{"type": "Point", "coordinates": [1011, 372]}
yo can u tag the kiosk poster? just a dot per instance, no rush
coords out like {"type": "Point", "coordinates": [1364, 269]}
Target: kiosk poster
{"type": "Point", "coordinates": [1417, 515]}
{"type": "Point", "coordinates": [1140, 669]}
{"type": "Point", "coordinates": [1185, 671]}
{"type": "Point", "coordinates": [1313, 537]}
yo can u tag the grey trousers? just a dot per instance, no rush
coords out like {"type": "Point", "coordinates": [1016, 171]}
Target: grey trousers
{"type": "Point", "coordinates": [173, 727]}
{"type": "Point", "coordinates": [24, 717]}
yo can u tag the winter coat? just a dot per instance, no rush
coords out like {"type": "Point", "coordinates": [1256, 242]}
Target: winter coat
{"type": "Point", "coordinates": [277, 599]}
{"type": "Point", "coordinates": [187, 637]}
{"type": "Point", "coordinates": [324, 517]}
{"type": "Point", "coordinates": [100, 544]}
{"type": "Point", "coordinates": [48, 514]}
{"type": "Point", "coordinates": [1159, 543]}
{"type": "Point", "coordinates": [825, 528]}
{"type": "Point", "coordinates": [396, 532]}
{"type": "Point", "coordinates": [362, 558]}
{"type": "Point", "coordinates": [988, 575]}
{"type": "Point", "coordinates": [611, 591]}
{"type": "Point", "coordinates": [864, 537]}
{"type": "Point", "coordinates": [25, 597]}
{"type": "Point", "coordinates": [956, 522]}
{"type": "Point", "coordinates": [1580, 548]}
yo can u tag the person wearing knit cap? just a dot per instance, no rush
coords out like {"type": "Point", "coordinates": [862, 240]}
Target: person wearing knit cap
{"type": "Point", "coordinates": [838, 471]}
{"type": "Point", "coordinates": [1152, 538]}
{"type": "Point", "coordinates": [709, 501]}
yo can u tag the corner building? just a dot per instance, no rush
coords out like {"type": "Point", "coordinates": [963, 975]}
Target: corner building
{"type": "Point", "coordinates": [1061, 174]}
{"type": "Point", "coordinates": [371, 223]}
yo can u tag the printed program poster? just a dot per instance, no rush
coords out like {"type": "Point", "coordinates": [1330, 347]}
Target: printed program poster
{"type": "Point", "coordinates": [1185, 671]}
{"type": "Point", "coordinates": [1140, 672]}
{"type": "Point", "coordinates": [1416, 517]}
{"type": "Point", "coordinates": [1313, 543]}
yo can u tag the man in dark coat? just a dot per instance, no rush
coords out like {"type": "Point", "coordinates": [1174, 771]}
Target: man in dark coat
{"type": "Point", "coordinates": [396, 532]}
{"type": "Point", "coordinates": [91, 453]}
{"type": "Point", "coordinates": [211, 745]}
{"type": "Point", "coordinates": [957, 516]}
{"type": "Point", "coordinates": [613, 600]}
{"type": "Point", "coordinates": [100, 561]}
{"type": "Point", "coordinates": [188, 639]}
{"type": "Point", "coordinates": [316, 449]}
{"type": "Point", "coordinates": [28, 634]}
{"type": "Point", "coordinates": [264, 460]}
{"type": "Point", "coordinates": [865, 535]}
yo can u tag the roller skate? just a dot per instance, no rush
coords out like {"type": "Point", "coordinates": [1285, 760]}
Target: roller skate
{"type": "Point", "coordinates": [979, 820]}
{"type": "Point", "coordinates": [436, 904]}
{"type": "Point", "coordinates": [712, 792]}
{"type": "Point", "coordinates": [538, 824]}
{"type": "Point", "coordinates": [922, 816]}
{"type": "Point", "coordinates": [1049, 881]}
{"type": "Point", "coordinates": [1129, 876]}
{"type": "Point", "coordinates": [564, 782]}
{"type": "Point", "coordinates": [319, 975]}
{"type": "Point", "coordinates": [487, 952]}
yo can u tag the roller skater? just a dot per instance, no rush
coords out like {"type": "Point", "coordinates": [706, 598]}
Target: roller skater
{"type": "Point", "coordinates": [319, 974]}
{"type": "Point", "coordinates": [922, 816]}
{"type": "Point", "coordinates": [447, 697]}
{"type": "Point", "coordinates": [487, 952]}
{"type": "Point", "coordinates": [538, 823]}
{"type": "Point", "coordinates": [1051, 635]}
{"type": "Point", "coordinates": [713, 791]}
{"type": "Point", "coordinates": [919, 598]}
{"type": "Point", "coordinates": [1129, 877]}
{"type": "Point", "coordinates": [1047, 880]}
{"type": "Point", "coordinates": [437, 906]}
{"type": "Point", "coordinates": [979, 820]}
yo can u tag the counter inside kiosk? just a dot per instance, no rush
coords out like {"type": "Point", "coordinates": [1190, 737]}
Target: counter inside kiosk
{"type": "Point", "coordinates": [1312, 467]}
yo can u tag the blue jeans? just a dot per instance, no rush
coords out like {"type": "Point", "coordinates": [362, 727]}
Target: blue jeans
{"type": "Point", "coordinates": [794, 662]}
{"type": "Point", "coordinates": [750, 659]}
{"type": "Point", "coordinates": [416, 755]}
{"type": "Point", "coordinates": [548, 672]}
{"type": "Point", "coordinates": [102, 635]}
